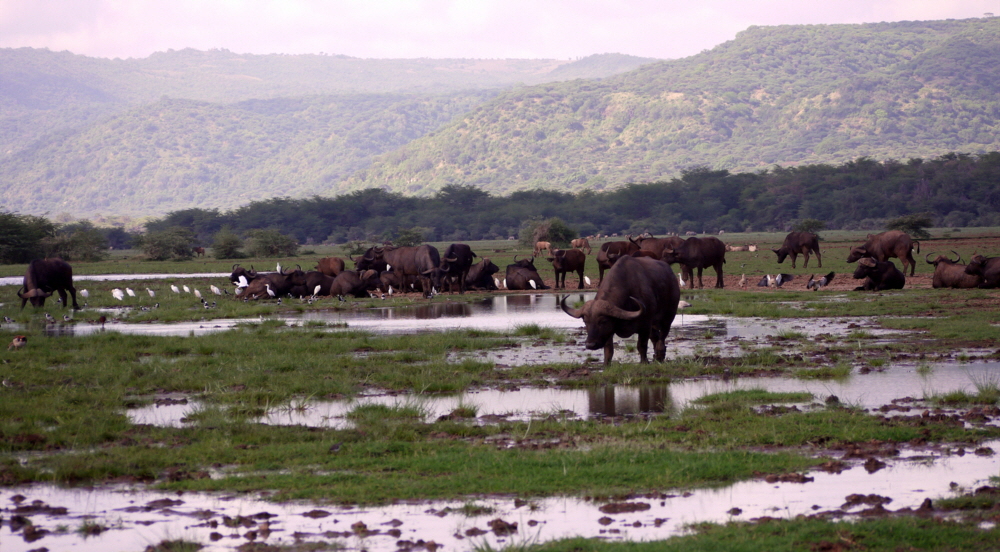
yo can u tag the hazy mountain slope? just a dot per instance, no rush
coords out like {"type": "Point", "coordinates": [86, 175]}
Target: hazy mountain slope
{"type": "Point", "coordinates": [792, 94]}
{"type": "Point", "coordinates": [182, 153]}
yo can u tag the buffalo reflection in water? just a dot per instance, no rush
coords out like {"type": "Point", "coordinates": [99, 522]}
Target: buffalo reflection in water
{"type": "Point", "coordinates": [619, 401]}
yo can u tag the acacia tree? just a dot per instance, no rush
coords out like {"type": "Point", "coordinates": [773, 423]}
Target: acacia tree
{"type": "Point", "coordinates": [915, 225]}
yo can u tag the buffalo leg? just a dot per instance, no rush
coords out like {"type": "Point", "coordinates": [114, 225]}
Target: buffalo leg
{"type": "Point", "coordinates": [659, 345]}
{"type": "Point", "coordinates": [642, 345]}
{"type": "Point", "coordinates": [819, 260]}
{"type": "Point", "coordinates": [700, 284]}
{"type": "Point", "coordinates": [609, 350]}
{"type": "Point", "coordinates": [718, 276]}
{"type": "Point", "coordinates": [580, 273]}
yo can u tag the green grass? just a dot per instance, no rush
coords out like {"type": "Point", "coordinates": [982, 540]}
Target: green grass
{"type": "Point", "coordinates": [753, 396]}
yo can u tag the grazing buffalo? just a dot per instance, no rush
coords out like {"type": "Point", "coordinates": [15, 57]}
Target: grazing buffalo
{"type": "Point", "coordinates": [279, 283]}
{"type": "Point", "coordinates": [522, 275]}
{"type": "Point", "coordinates": [454, 268]}
{"type": "Point", "coordinates": [331, 266]}
{"type": "Point", "coordinates": [356, 283]}
{"type": "Point", "coordinates": [878, 275]}
{"type": "Point", "coordinates": [698, 253]}
{"type": "Point", "coordinates": [987, 268]}
{"type": "Point", "coordinates": [198, 251]}
{"type": "Point", "coordinates": [610, 252]}
{"type": "Point", "coordinates": [582, 244]}
{"type": "Point", "coordinates": [640, 296]}
{"type": "Point", "coordinates": [542, 246]}
{"type": "Point", "coordinates": [45, 276]}
{"type": "Point", "coordinates": [950, 274]}
{"type": "Point", "coordinates": [885, 245]}
{"type": "Point", "coordinates": [564, 261]}
{"type": "Point", "coordinates": [657, 245]}
{"type": "Point", "coordinates": [481, 275]}
{"type": "Point", "coordinates": [799, 243]}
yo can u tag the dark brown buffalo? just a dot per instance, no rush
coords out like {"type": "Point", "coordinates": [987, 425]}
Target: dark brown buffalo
{"type": "Point", "coordinates": [522, 275]}
{"type": "Point", "coordinates": [610, 252]}
{"type": "Point", "coordinates": [390, 280]}
{"type": "Point", "coordinates": [799, 243]}
{"type": "Point", "coordinates": [413, 262]}
{"type": "Point", "coordinates": [657, 245]}
{"type": "Point", "coordinates": [314, 278]}
{"type": "Point", "coordinates": [481, 275]}
{"type": "Point", "coordinates": [454, 268]}
{"type": "Point", "coordinates": [331, 266]}
{"type": "Point", "coordinates": [951, 274]}
{"type": "Point", "coordinates": [878, 275]}
{"type": "Point", "coordinates": [45, 276]}
{"type": "Point", "coordinates": [352, 282]}
{"type": "Point", "coordinates": [640, 297]}
{"type": "Point", "coordinates": [279, 283]}
{"type": "Point", "coordinates": [987, 268]}
{"type": "Point", "coordinates": [881, 247]}
{"type": "Point", "coordinates": [582, 244]}
{"type": "Point", "coordinates": [698, 253]}
{"type": "Point", "coordinates": [563, 261]}
{"type": "Point", "coordinates": [370, 260]}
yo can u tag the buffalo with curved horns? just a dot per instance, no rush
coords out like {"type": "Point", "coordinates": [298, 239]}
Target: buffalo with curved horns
{"type": "Point", "coordinates": [454, 269]}
{"type": "Point", "coordinates": [639, 296]}
{"type": "Point", "coordinates": [987, 268]}
{"type": "Point", "coordinates": [950, 274]}
{"type": "Point", "coordinates": [45, 276]}
{"type": "Point", "coordinates": [878, 275]}
{"type": "Point", "coordinates": [609, 254]}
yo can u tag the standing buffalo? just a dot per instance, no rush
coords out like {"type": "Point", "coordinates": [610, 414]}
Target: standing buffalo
{"type": "Point", "coordinates": [656, 246]}
{"type": "Point", "coordinates": [481, 275]}
{"type": "Point", "coordinates": [331, 266]}
{"type": "Point", "coordinates": [640, 296]}
{"type": "Point", "coordinates": [454, 268]}
{"type": "Point", "coordinates": [45, 276]}
{"type": "Point", "coordinates": [878, 275]}
{"type": "Point", "coordinates": [885, 245]}
{"type": "Point", "coordinates": [799, 243]}
{"type": "Point", "coordinates": [564, 261]}
{"type": "Point", "coordinates": [581, 244]}
{"type": "Point", "coordinates": [950, 274]}
{"type": "Point", "coordinates": [698, 253]}
{"type": "Point", "coordinates": [413, 262]}
{"type": "Point", "coordinates": [610, 252]}
{"type": "Point", "coordinates": [987, 268]}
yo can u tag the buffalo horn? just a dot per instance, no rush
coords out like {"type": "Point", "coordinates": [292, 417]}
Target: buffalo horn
{"type": "Point", "coordinates": [575, 313]}
{"type": "Point", "coordinates": [451, 259]}
{"type": "Point", "coordinates": [959, 259]}
{"type": "Point", "coordinates": [927, 258]}
{"type": "Point", "coordinates": [618, 312]}
{"type": "Point", "coordinates": [235, 265]}
{"type": "Point", "coordinates": [20, 294]}
{"type": "Point", "coordinates": [867, 261]}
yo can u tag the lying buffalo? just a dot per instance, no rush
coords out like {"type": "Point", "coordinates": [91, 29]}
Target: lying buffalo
{"type": "Point", "coordinates": [316, 283]}
{"type": "Point", "coordinates": [951, 274]}
{"type": "Point", "coordinates": [563, 261]}
{"type": "Point", "coordinates": [274, 284]}
{"type": "Point", "coordinates": [882, 247]}
{"type": "Point", "coordinates": [522, 275]}
{"type": "Point", "coordinates": [331, 266]}
{"type": "Point", "coordinates": [987, 268]}
{"type": "Point", "coordinates": [352, 282]}
{"type": "Point", "coordinates": [698, 253]}
{"type": "Point", "coordinates": [878, 275]}
{"type": "Point", "coordinates": [640, 296]}
{"type": "Point", "coordinates": [610, 252]}
{"type": "Point", "coordinates": [799, 243]}
{"type": "Point", "coordinates": [45, 276]}
{"type": "Point", "coordinates": [481, 275]}
{"type": "Point", "coordinates": [454, 268]}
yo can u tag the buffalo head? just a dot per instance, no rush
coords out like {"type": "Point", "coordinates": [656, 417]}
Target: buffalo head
{"type": "Point", "coordinates": [601, 318]}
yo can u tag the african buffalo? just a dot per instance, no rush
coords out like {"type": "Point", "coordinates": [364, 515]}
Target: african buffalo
{"type": "Point", "coordinates": [610, 252]}
{"type": "Point", "coordinates": [454, 268]}
{"type": "Point", "coordinates": [313, 278]}
{"type": "Point", "coordinates": [881, 247]}
{"type": "Point", "coordinates": [356, 283]}
{"type": "Point", "coordinates": [950, 274]}
{"type": "Point", "coordinates": [481, 275]}
{"type": "Point", "coordinates": [799, 243]}
{"type": "Point", "coordinates": [698, 253]}
{"type": "Point", "coordinates": [878, 275]}
{"type": "Point", "coordinates": [45, 276]}
{"type": "Point", "coordinates": [198, 251]}
{"type": "Point", "coordinates": [657, 245]}
{"type": "Point", "coordinates": [370, 260]}
{"type": "Point", "coordinates": [564, 261]}
{"type": "Point", "coordinates": [987, 268]}
{"type": "Point", "coordinates": [581, 244]}
{"type": "Point", "coordinates": [331, 266]}
{"type": "Point", "coordinates": [414, 262]}
{"type": "Point", "coordinates": [279, 283]}
{"type": "Point", "coordinates": [521, 274]}
{"type": "Point", "coordinates": [640, 296]}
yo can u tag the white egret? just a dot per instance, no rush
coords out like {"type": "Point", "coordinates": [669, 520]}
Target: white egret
{"type": "Point", "coordinates": [118, 294]}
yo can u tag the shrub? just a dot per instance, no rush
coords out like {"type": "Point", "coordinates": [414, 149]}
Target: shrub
{"type": "Point", "coordinates": [270, 242]}
{"type": "Point", "coordinates": [226, 244]}
{"type": "Point", "coordinates": [171, 243]}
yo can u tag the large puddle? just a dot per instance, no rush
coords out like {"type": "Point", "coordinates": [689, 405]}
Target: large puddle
{"type": "Point", "coordinates": [136, 519]}
{"type": "Point", "coordinates": [869, 391]}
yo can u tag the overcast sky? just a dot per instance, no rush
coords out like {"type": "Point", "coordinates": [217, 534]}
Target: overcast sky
{"type": "Point", "coordinates": [562, 29]}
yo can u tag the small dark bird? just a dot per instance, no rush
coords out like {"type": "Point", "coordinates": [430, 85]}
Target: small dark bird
{"type": "Point", "coordinates": [49, 318]}
{"type": "Point", "coordinates": [67, 318]}
{"type": "Point", "coordinates": [335, 448]}
{"type": "Point", "coordinates": [8, 319]}
{"type": "Point", "coordinates": [341, 298]}
{"type": "Point", "coordinates": [279, 300]}
{"type": "Point", "coordinates": [816, 284]}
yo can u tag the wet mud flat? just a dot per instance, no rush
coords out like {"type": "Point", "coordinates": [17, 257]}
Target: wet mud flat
{"type": "Point", "coordinates": [111, 519]}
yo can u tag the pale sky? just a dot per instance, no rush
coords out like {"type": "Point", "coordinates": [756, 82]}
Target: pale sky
{"type": "Point", "coordinates": [560, 29]}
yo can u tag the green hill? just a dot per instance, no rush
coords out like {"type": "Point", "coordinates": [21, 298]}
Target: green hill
{"type": "Point", "coordinates": [774, 95]}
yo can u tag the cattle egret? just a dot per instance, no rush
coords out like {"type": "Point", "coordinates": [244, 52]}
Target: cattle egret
{"type": "Point", "coordinates": [505, 283]}
{"type": "Point", "coordinates": [496, 282]}
{"type": "Point", "coordinates": [388, 267]}
{"type": "Point", "coordinates": [586, 280]}
{"type": "Point", "coordinates": [187, 289]}
{"type": "Point", "coordinates": [316, 289]}
{"type": "Point", "coordinates": [390, 291]}
{"type": "Point", "coordinates": [278, 267]}
{"type": "Point", "coordinates": [84, 293]}
{"type": "Point", "coordinates": [118, 294]}
{"type": "Point", "coordinates": [683, 304]}
{"type": "Point", "coordinates": [269, 290]}
{"type": "Point", "coordinates": [215, 290]}
{"type": "Point", "coordinates": [151, 292]}
{"type": "Point", "coordinates": [243, 281]}
{"type": "Point", "coordinates": [174, 288]}
{"type": "Point", "coordinates": [130, 292]}
{"type": "Point", "coordinates": [680, 280]}
{"type": "Point", "coordinates": [197, 293]}
{"type": "Point", "coordinates": [532, 284]}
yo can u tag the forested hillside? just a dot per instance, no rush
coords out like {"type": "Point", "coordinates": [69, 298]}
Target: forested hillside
{"type": "Point", "coordinates": [774, 95]}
